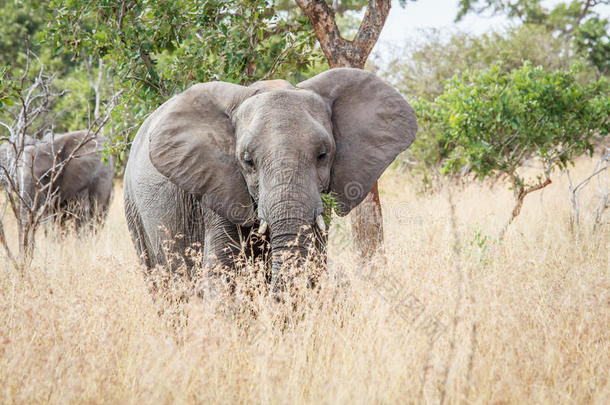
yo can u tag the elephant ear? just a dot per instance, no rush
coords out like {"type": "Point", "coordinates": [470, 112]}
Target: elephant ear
{"type": "Point", "coordinates": [192, 143]}
{"type": "Point", "coordinates": [372, 123]}
{"type": "Point", "coordinates": [53, 152]}
{"type": "Point", "coordinates": [83, 167]}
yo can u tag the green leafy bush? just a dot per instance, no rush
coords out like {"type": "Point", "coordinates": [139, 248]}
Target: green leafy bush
{"type": "Point", "coordinates": [489, 122]}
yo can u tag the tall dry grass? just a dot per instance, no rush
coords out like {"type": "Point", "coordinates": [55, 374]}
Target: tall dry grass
{"type": "Point", "coordinates": [453, 315]}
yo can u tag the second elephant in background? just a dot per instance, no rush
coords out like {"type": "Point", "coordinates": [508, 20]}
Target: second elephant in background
{"type": "Point", "coordinates": [82, 186]}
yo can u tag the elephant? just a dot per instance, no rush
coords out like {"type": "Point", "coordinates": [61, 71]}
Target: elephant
{"type": "Point", "coordinates": [82, 189]}
{"type": "Point", "coordinates": [222, 160]}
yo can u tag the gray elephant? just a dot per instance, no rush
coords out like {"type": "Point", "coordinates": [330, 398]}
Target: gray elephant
{"type": "Point", "coordinates": [220, 161]}
{"type": "Point", "coordinates": [82, 189]}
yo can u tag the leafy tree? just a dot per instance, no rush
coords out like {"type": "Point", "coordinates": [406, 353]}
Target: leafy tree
{"type": "Point", "coordinates": [592, 39]}
{"type": "Point", "coordinates": [157, 48]}
{"type": "Point", "coordinates": [25, 21]}
{"type": "Point", "coordinates": [491, 121]}
{"type": "Point", "coordinates": [422, 69]}
{"type": "Point", "coordinates": [575, 21]}
{"type": "Point", "coordinates": [21, 22]}
{"type": "Point", "coordinates": [163, 46]}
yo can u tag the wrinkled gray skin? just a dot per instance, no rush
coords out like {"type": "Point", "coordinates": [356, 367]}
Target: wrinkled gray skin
{"type": "Point", "coordinates": [218, 159]}
{"type": "Point", "coordinates": [84, 187]}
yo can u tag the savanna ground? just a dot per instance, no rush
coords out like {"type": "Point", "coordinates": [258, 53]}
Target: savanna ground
{"type": "Point", "coordinates": [453, 316]}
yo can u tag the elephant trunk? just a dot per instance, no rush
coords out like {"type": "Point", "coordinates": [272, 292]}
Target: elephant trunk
{"type": "Point", "coordinates": [290, 202]}
{"type": "Point", "coordinates": [290, 227]}
{"type": "Point", "coordinates": [290, 245]}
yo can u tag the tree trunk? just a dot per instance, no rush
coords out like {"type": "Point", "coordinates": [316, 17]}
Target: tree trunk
{"type": "Point", "coordinates": [520, 192]}
{"type": "Point", "coordinates": [367, 225]}
{"type": "Point", "coordinates": [366, 218]}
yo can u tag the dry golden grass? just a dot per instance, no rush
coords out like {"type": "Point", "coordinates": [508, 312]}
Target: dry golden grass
{"type": "Point", "coordinates": [520, 321]}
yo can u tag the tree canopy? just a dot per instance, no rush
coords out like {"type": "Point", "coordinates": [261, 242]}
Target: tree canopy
{"type": "Point", "coordinates": [576, 21]}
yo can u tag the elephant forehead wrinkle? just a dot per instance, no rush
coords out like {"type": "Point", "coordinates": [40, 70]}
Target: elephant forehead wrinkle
{"type": "Point", "coordinates": [289, 101]}
{"type": "Point", "coordinates": [303, 101]}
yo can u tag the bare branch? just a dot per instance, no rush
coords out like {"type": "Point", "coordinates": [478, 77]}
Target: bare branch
{"type": "Point", "coordinates": [601, 168]}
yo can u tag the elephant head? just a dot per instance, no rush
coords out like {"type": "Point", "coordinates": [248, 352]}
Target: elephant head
{"type": "Point", "coordinates": [266, 152]}
{"type": "Point", "coordinates": [79, 151]}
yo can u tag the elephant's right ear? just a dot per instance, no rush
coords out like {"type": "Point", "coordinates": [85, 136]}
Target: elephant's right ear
{"type": "Point", "coordinates": [192, 143]}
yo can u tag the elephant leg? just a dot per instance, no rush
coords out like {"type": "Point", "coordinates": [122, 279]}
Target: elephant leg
{"type": "Point", "coordinates": [81, 208]}
{"type": "Point", "coordinates": [101, 197]}
{"type": "Point", "coordinates": [138, 234]}
{"type": "Point", "coordinates": [222, 242]}
{"type": "Point", "coordinates": [97, 210]}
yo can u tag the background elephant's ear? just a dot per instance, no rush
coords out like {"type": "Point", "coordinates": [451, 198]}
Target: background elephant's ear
{"type": "Point", "coordinates": [85, 162]}
{"type": "Point", "coordinates": [372, 124]}
{"type": "Point", "coordinates": [192, 143]}
{"type": "Point", "coordinates": [53, 152]}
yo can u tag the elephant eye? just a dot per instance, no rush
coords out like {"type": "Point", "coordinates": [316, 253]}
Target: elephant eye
{"type": "Point", "coordinates": [248, 160]}
{"type": "Point", "coordinates": [322, 155]}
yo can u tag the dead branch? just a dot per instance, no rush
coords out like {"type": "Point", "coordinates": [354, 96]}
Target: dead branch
{"type": "Point", "coordinates": [599, 171]}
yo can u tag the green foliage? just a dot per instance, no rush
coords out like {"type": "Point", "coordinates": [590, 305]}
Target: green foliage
{"type": "Point", "coordinates": [420, 72]}
{"type": "Point", "coordinates": [21, 21]}
{"type": "Point", "coordinates": [528, 11]}
{"type": "Point", "coordinates": [72, 110]}
{"type": "Point", "coordinates": [157, 48]}
{"type": "Point", "coordinates": [480, 245]}
{"type": "Point", "coordinates": [575, 21]}
{"type": "Point", "coordinates": [592, 39]}
{"type": "Point", "coordinates": [161, 47]}
{"type": "Point", "coordinates": [490, 121]}
{"type": "Point", "coordinates": [330, 204]}
{"type": "Point", "coordinates": [422, 69]}
{"type": "Point", "coordinates": [76, 107]}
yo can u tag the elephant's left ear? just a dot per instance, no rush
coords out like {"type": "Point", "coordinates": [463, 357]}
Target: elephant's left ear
{"type": "Point", "coordinates": [372, 124]}
{"type": "Point", "coordinates": [192, 143]}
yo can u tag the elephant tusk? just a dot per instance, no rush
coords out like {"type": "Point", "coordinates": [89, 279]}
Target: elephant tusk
{"type": "Point", "coordinates": [262, 228]}
{"type": "Point", "coordinates": [320, 222]}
